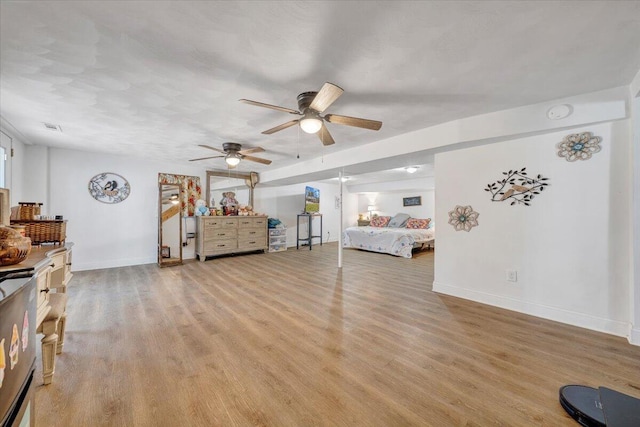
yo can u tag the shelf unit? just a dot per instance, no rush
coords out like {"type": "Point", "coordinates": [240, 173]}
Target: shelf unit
{"type": "Point", "coordinates": [277, 239]}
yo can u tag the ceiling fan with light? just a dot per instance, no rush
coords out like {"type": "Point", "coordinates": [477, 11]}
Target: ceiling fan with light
{"type": "Point", "coordinates": [310, 106]}
{"type": "Point", "coordinates": [233, 153]}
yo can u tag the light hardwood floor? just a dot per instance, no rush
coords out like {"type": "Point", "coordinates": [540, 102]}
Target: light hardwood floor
{"type": "Point", "coordinates": [287, 339]}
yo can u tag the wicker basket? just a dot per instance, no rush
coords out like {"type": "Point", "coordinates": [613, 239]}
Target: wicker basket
{"type": "Point", "coordinates": [28, 210]}
{"type": "Point", "coordinates": [44, 231]}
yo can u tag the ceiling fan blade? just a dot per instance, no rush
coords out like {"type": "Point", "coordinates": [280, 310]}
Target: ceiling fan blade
{"type": "Point", "coordinates": [257, 160]}
{"type": "Point", "coordinates": [327, 95]}
{"type": "Point", "coordinates": [353, 121]}
{"type": "Point", "coordinates": [251, 150]}
{"type": "Point", "coordinates": [273, 107]}
{"type": "Point", "coordinates": [212, 148]}
{"type": "Point", "coordinates": [325, 136]}
{"type": "Point", "coordinates": [205, 158]}
{"type": "Point", "coordinates": [280, 127]}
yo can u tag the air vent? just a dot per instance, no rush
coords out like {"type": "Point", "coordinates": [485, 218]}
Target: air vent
{"type": "Point", "coordinates": [51, 126]}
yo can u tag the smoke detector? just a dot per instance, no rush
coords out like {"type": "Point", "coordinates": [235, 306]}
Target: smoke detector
{"type": "Point", "coordinates": [558, 112]}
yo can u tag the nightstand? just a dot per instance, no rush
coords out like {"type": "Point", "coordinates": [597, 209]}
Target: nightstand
{"type": "Point", "coordinates": [363, 222]}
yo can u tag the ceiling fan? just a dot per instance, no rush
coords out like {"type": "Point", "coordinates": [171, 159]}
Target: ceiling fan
{"type": "Point", "coordinates": [233, 153]}
{"type": "Point", "coordinates": [310, 106]}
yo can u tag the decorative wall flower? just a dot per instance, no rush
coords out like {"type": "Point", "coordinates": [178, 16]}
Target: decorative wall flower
{"type": "Point", "coordinates": [578, 146]}
{"type": "Point", "coordinates": [463, 218]}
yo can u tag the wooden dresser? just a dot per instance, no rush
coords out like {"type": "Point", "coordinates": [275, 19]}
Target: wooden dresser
{"type": "Point", "coordinates": [222, 235]}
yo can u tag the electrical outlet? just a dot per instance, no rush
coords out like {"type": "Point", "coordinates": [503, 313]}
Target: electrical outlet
{"type": "Point", "coordinates": [512, 276]}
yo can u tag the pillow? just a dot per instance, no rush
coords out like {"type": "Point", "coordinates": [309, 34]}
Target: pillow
{"type": "Point", "coordinates": [418, 223]}
{"type": "Point", "coordinates": [379, 221]}
{"type": "Point", "coordinates": [431, 224]}
{"type": "Point", "coordinates": [399, 221]}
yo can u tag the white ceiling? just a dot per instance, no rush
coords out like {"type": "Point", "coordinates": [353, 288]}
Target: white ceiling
{"type": "Point", "coordinates": [155, 79]}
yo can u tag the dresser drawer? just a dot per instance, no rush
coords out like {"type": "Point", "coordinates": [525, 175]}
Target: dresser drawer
{"type": "Point", "coordinates": [249, 244]}
{"type": "Point", "coordinates": [220, 234]}
{"type": "Point", "coordinates": [58, 261]}
{"type": "Point", "coordinates": [251, 222]}
{"type": "Point", "coordinates": [220, 246]}
{"type": "Point", "coordinates": [249, 233]}
{"type": "Point", "coordinates": [218, 222]}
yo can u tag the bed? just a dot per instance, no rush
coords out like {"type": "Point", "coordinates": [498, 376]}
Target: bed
{"type": "Point", "coordinates": [390, 240]}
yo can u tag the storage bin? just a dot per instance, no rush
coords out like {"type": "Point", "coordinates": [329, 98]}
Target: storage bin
{"type": "Point", "coordinates": [44, 231]}
{"type": "Point", "coordinates": [28, 210]}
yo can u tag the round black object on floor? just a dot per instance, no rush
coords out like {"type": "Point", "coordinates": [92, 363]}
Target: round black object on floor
{"type": "Point", "coordinates": [583, 404]}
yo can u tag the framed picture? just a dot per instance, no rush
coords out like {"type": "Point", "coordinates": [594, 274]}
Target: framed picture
{"type": "Point", "coordinates": [412, 201]}
{"type": "Point", "coordinates": [165, 252]}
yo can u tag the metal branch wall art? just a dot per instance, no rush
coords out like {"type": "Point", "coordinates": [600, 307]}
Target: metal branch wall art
{"type": "Point", "coordinates": [578, 146]}
{"type": "Point", "coordinates": [463, 218]}
{"type": "Point", "coordinates": [517, 187]}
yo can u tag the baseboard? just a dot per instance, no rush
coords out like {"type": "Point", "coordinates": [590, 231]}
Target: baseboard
{"type": "Point", "coordinates": [582, 320]}
{"type": "Point", "coordinates": [113, 263]}
{"type": "Point", "coordinates": [634, 336]}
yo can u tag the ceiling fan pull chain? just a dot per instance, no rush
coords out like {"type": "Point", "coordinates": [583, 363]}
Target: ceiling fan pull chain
{"type": "Point", "coordinates": [298, 144]}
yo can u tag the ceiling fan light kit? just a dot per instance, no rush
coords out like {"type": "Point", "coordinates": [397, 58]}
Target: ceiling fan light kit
{"type": "Point", "coordinates": [232, 159]}
{"type": "Point", "coordinates": [311, 123]}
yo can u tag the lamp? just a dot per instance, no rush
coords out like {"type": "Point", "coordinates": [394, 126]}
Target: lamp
{"type": "Point", "coordinates": [311, 122]}
{"type": "Point", "coordinates": [411, 169]}
{"type": "Point", "coordinates": [371, 208]}
{"type": "Point", "coordinates": [232, 159]}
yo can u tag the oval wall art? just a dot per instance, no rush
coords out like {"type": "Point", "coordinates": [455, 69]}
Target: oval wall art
{"type": "Point", "coordinates": [109, 188]}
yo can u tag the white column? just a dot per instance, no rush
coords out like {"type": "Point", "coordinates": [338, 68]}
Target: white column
{"type": "Point", "coordinates": [634, 336]}
{"type": "Point", "coordinates": [340, 225]}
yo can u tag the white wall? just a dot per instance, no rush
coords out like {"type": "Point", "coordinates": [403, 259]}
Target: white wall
{"type": "Point", "coordinates": [390, 203]}
{"type": "Point", "coordinates": [570, 247]}
{"type": "Point", "coordinates": [14, 180]}
{"type": "Point", "coordinates": [35, 176]}
{"type": "Point", "coordinates": [286, 202]}
{"type": "Point", "coordinates": [109, 235]}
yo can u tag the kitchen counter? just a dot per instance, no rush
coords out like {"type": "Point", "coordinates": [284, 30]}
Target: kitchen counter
{"type": "Point", "coordinates": [39, 257]}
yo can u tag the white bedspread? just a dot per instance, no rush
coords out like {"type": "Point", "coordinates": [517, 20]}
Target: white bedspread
{"type": "Point", "coordinates": [394, 241]}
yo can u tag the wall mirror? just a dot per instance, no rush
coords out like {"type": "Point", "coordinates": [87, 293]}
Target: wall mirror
{"type": "Point", "coordinates": [169, 225]}
{"type": "Point", "coordinates": [241, 183]}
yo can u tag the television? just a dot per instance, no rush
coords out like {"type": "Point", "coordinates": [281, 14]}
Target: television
{"type": "Point", "coordinates": [311, 200]}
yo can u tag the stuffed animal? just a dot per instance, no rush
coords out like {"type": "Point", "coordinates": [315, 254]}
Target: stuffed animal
{"type": "Point", "coordinates": [228, 199]}
{"type": "Point", "coordinates": [201, 208]}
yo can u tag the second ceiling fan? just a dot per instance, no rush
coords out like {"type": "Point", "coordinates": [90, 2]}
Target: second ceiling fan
{"type": "Point", "coordinates": [233, 153]}
{"type": "Point", "coordinates": [310, 106]}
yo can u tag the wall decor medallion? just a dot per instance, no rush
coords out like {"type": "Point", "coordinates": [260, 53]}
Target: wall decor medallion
{"type": "Point", "coordinates": [463, 218]}
{"type": "Point", "coordinates": [578, 146]}
{"type": "Point", "coordinates": [517, 187]}
{"type": "Point", "coordinates": [109, 188]}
